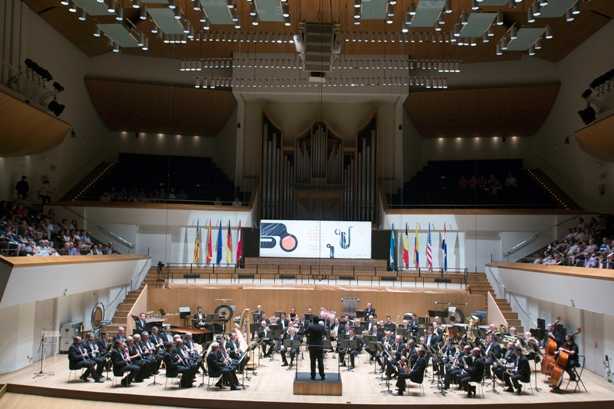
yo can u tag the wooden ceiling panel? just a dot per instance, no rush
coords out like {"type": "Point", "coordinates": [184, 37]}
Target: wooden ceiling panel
{"type": "Point", "coordinates": [596, 13]}
{"type": "Point", "coordinates": [147, 107]}
{"type": "Point", "coordinates": [484, 112]}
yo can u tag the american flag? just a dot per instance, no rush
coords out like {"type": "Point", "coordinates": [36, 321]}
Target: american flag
{"type": "Point", "coordinates": [429, 252]}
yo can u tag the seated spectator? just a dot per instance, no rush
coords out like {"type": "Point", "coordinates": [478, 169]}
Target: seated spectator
{"type": "Point", "coordinates": [510, 181]}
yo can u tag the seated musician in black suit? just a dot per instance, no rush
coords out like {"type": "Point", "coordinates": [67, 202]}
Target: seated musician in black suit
{"type": "Point", "coordinates": [389, 325]}
{"type": "Point", "coordinates": [520, 373]}
{"type": "Point", "coordinates": [415, 373]}
{"type": "Point", "coordinates": [97, 353]}
{"type": "Point", "coordinates": [122, 364]}
{"type": "Point", "coordinates": [492, 353]}
{"type": "Point", "coordinates": [140, 323]}
{"type": "Point", "coordinates": [354, 347]}
{"type": "Point", "coordinates": [217, 365]}
{"type": "Point", "coordinates": [455, 368]}
{"type": "Point", "coordinates": [509, 359]}
{"type": "Point", "coordinates": [175, 364]}
{"type": "Point", "coordinates": [472, 372]}
{"type": "Point", "coordinates": [121, 335]}
{"type": "Point", "coordinates": [150, 352]}
{"type": "Point", "coordinates": [79, 358]}
{"type": "Point", "coordinates": [198, 320]}
{"type": "Point", "coordinates": [136, 358]}
{"type": "Point", "coordinates": [264, 334]}
{"type": "Point", "coordinates": [290, 346]}
{"type": "Point", "coordinates": [370, 310]}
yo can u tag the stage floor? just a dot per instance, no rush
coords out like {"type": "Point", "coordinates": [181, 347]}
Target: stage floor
{"type": "Point", "coordinates": [272, 388]}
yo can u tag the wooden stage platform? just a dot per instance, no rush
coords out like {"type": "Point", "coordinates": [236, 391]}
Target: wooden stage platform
{"type": "Point", "coordinates": [272, 387]}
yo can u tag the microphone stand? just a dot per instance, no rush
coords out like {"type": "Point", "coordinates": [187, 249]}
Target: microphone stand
{"type": "Point", "coordinates": [41, 348]}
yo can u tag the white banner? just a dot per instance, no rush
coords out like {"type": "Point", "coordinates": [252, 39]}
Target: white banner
{"type": "Point", "coordinates": [315, 239]}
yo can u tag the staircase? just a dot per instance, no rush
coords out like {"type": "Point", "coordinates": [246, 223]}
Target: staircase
{"type": "Point", "coordinates": [557, 194]}
{"type": "Point", "coordinates": [83, 185]}
{"type": "Point", "coordinates": [478, 283]}
{"type": "Point", "coordinates": [120, 318]}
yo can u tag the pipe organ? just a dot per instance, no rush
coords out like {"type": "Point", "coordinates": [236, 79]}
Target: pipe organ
{"type": "Point", "coordinates": [320, 176]}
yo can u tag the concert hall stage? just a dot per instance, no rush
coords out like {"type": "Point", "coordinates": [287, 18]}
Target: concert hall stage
{"type": "Point", "coordinates": [272, 387]}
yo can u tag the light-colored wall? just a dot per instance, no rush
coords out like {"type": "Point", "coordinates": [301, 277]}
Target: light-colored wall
{"type": "Point", "coordinates": [575, 171]}
{"type": "Point", "coordinates": [21, 325]}
{"type": "Point", "coordinates": [68, 162]}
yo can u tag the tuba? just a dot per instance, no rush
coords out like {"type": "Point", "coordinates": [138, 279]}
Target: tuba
{"type": "Point", "coordinates": [345, 239]}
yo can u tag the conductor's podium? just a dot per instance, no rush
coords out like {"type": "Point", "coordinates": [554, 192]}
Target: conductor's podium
{"type": "Point", "coordinates": [331, 386]}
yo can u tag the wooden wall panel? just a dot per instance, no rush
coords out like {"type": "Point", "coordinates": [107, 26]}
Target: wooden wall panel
{"type": "Point", "coordinates": [496, 111]}
{"type": "Point", "coordinates": [148, 107]}
{"type": "Point", "coordinates": [386, 301]}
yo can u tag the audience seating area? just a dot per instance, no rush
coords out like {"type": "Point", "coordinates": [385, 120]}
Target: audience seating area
{"type": "Point", "coordinates": [153, 178]}
{"type": "Point", "coordinates": [27, 231]}
{"type": "Point", "coordinates": [473, 183]}
{"type": "Point", "coordinates": [590, 244]}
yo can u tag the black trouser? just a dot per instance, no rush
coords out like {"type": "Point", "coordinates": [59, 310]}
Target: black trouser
{"type": "Point", "coordinates": [316, 354]}
{"type": "Point", "coordinates": [401, 383]}
{"type": "Point", "coordinates": [133, 372]}
{"type": "Point", "coordinates": [267, 347]}
{"type": "Point", "coordinates": [463, 381]}
{"type": "Point", "coordinates": [512, 381]}
{"type": "Point", "coordinates": [91, 368]}
{"type": "Point", "coordinates": [229, 377]}
{"type": "Point", "coordinates": [187, 375]}
{"type": "Point", "coordinates": [100, 364]}
{"type": "Point", "coordinates": [283, 356]}
{"type": "Point", "coordinates": [143, 369]}
{"type": "Point", "coordinates": [452, 376]}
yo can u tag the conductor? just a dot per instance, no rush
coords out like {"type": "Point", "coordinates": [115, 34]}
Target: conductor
{"type": "Point", "coordinates": [315, 335]}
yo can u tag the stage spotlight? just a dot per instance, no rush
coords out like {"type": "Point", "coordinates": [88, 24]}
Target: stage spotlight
{"type": "Point", "coordinates": [56, 108]}
{"type": "Point", "coordinates": [588, 115]}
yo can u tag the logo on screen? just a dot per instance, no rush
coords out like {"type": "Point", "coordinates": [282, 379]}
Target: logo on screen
{"type": "Point", "coordinates": [270, 233]}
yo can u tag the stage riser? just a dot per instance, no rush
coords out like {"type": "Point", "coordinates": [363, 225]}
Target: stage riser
{"type": "Point", "coordinates": [332, 386]}
{"type": "Point", "coordinates": [386, 301]}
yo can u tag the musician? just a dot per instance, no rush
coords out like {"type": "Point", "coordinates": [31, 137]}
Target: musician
{"type": "Point", "coordinates": [446, 356]}
{"type": "Point", "coordinates": [258, 315]}
{"type": "Point", "coordinates": [355, 345]}
{"type": "Point", "coordinates": [371, 326]}
{"type": "Point", "coordinates": [176, 363]}
{"type": "Point", "coordinates": [140, 323]}
{"type": "Point", "coordinates": [136, 358]}
{"type": "Point", "coordinates": [122, 364]}
{"type": "Point", "coordinates": [473, 371]}
{"type": "Point", "coordinates": [370, 310]}
{"type": "Point", "coordinates": [571, 348]}
{"type": "Point", "coordinates": [343, 326]}
{"type": "Point", "coordinates": [121, 335]}
{"type": "Point", "coordinates": [520, 373]}
{"type": "Point", "coordinates": [166, 337]}
{"type": "Point", "coordinates": [156, 339]}
{"type": "Point", "coordinates": [97, 352]}
{"type": "Point", "coordinates": [509, 360]}
{"type": "Point", "coordinates": [198, 320]}
{"type": "Point", "coordinates": [291, 342]}
{"type": "Point", "coordinates": [455, 370]}
{"type": "Point", "coordinates": [433, 338]}
{"type": "Point", "coordinates": [389, 325]}
{"type": "Point", "coordinates": [78, 358]}
{"type": "Point", "coordinates": [492, 353]}
{"type": "Point", "coordinates": [293, 315]}
{"type": "Point", "coordinates": [315, 337]}
{"type": "Point", "coordinates": [264, 334]}
{"type": "Point", "coordinates": [220, 366]}
{"type": "Point", "coordinates": [283, 322]}
{"type": "Point", "coordinates": [415, 373]}
{"type": "Point", "coordinates": [151, 352]}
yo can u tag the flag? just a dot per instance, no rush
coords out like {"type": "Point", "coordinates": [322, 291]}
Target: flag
{"type": "Point", "coordinates": [197, 244]}
{"type": "Point", "coordinates": [457, 252]}
{"type": "Point", "coordinates": [429, 251]}
{"type": "Point", "coordinates": [239, 245]}
{"type": "Point", "coordinates": [185, 255]}
{"type": "Point", "coordinates": [405, 244]}
{"type": "Point", "coordinates": [209, 244]}
{"type": "Point", "coordinates": [392, 255]}
{"type": "Point", "coordinates": [218, 246]}
{"type": "Point", "coordinates": [417, 248]}
{"type": "Point", "coordinates": [229, 245]}
{"type": "Point", "coordinates": [444, 249]}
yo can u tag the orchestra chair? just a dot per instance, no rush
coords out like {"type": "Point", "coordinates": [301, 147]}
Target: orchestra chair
{"type": "Point", "coordinates": [170, 373]}
{"type": "Point", "coordinates": [75, 374]}
{"type": "Point", "coordinates": [578, 382]}
{"type": "Point", "coordinates": [116, 374]}
{"type": "Point", "coordinates": [211, 380]}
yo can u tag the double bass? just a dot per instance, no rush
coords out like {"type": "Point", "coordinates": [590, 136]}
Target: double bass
{"type": "Point", "coordinates": [549, 360]}
{"type": "Point", "coordinates": [560, 364]}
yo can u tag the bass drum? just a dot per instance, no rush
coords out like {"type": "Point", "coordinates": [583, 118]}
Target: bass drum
{"type": "Point", "coordinates": [456, 318]}
{"type": "Point", "coordinates": [225, 311]}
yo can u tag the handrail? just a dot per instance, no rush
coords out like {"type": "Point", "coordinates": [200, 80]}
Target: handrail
{"type": "Point", "coordinates": [522, 244]}
{"type": "Point", "coordinates": [94, 179]}
{"type": "Point", "coordinates": [505, 294]}
{"type": "Point", "coordinates": [138, 278]}
{"type": "Point", "coordinates": [115, 236]}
